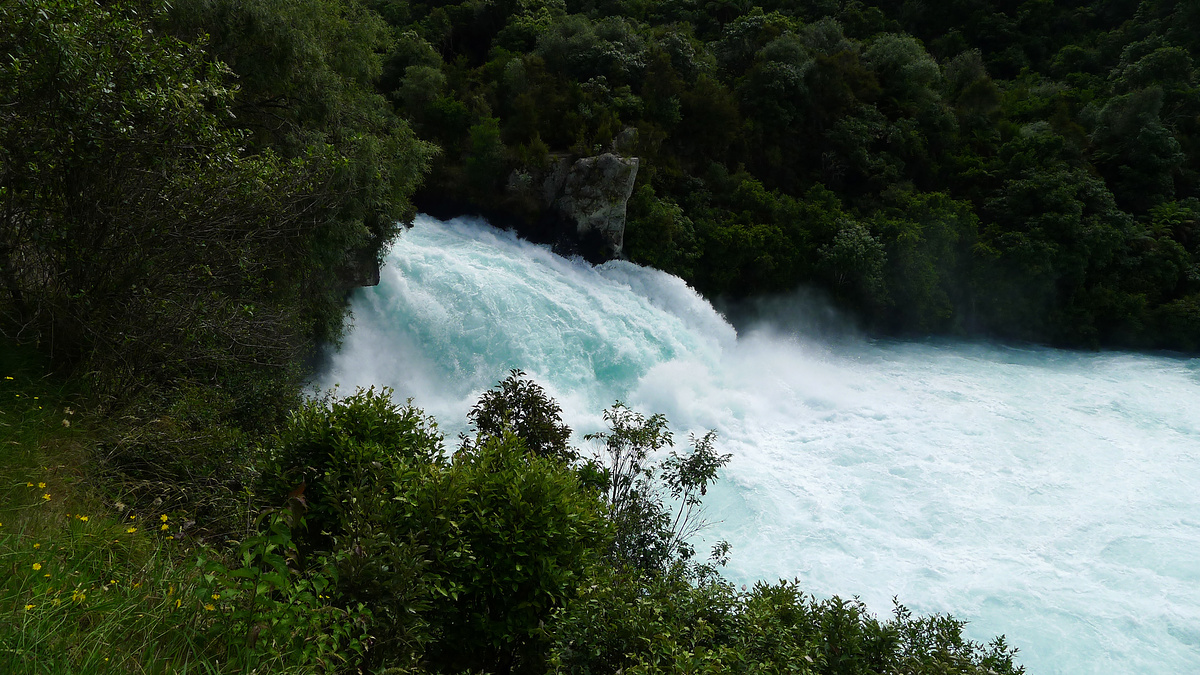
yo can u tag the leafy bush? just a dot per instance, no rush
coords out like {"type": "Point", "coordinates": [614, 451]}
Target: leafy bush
{"type": "Point", "coordinates": [519, 405]}
{"type": "Point", "coordinates": [662, 623]}
{"type": "Point", "coordinates": [460, 560]}
{"type": "Point", "coordinates": [652, 534]}
{"type": "Point", "coordinates": [339, 465]}
{"type": "Point", "coordinates": [509, 536]}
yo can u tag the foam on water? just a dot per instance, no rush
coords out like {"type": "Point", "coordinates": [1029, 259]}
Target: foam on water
{"type": "Point", "coordinates": [1051, 496]}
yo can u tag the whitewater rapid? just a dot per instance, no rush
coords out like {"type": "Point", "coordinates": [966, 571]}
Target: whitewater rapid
{"type": "Point", "coordinates": [1050, 496]}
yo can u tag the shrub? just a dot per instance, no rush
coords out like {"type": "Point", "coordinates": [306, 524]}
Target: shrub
{"type": "Point", "coordinates": [520, 405]}
{"type": "Point", "coordinates": [628, 622]}
{"type": "Point", "coordinates": [332, 448]}
{"type": "Point", "coordinates": [510, 535]}
{"type": "Point", "coordinates": [460, 560]}
{"type": "Point", "coordinates": [650, 533]}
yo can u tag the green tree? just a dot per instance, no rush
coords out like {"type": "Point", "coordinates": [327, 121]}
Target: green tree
{"type": "Point", "coordinates": [520, 406]}
{"type": "Point", "coordinates": [652, 533]}
{"type": "Point", "coordinates": [306, 73]}
{"type": "Point", "coordinates": [137, 237]}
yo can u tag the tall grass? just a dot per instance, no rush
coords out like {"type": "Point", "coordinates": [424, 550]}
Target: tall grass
{"type": "Point", "coordinates": [88, 585]}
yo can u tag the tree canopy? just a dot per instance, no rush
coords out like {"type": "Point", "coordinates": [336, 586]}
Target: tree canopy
{"type": "Point", "coordinates": [971, 167]}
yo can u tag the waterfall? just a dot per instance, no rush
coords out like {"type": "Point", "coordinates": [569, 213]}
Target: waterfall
{"type": "Point", "coordinates": [1047, 495]}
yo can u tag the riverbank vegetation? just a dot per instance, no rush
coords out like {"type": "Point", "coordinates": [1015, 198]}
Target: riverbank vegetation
{"type": "Point", "coordinates": [188, 191]}
{"type": "Point", "coordinates": [358, 544]}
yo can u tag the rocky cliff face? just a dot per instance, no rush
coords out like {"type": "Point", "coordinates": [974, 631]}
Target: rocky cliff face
{"type": "Point", "coordinates": [590, 193]}
{"type": "Point", "coordinates": [575, 204]}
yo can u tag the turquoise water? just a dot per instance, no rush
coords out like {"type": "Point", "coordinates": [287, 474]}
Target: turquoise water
{"type": "Point", "coordinates": [1050, 496]}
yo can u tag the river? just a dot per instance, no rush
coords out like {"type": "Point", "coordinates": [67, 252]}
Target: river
{"type": "Point", "coordinates": [1047, 495]}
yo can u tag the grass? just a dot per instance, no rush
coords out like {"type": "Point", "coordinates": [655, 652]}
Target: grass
{"type": "Point", "coordinates": [90, 585]}
{"type": "Point", "coordinates": [36, 419]}
{"type": "Point", "coordinates": [93, 595]}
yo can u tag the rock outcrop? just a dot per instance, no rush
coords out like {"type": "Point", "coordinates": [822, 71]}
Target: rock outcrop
{"type": "Point", "coordinates": [591, 193]}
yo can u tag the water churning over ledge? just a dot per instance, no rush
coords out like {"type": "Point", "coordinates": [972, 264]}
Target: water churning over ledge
{"type": "Point", "coordinates": [1051, 496]}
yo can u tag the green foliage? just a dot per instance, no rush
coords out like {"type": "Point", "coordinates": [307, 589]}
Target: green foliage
{"type": "Point", "coordinates": [280, 609]}
{"type": "Point", "coordinates": [652, 533]}
{"type": "Point", "coordinates": [100, 591]}
{"type": "Point", "coordinates": [510, 535]}
{"type": "Point", "coordinates": [855, 261]}
{"type": "Point", "coordinates": [659, 233]}
{"type": "Point", "coordinates": [622, 620]}
{"type": "Point", "coordinates": [111, 135]}
{"type": "Point", "coordinates": [178, 228]}
{"type": "Point", "coordinates": [663, 624]}
{"type": "Point", "coordinates": [780, 146]}
{"type": "Point", "coordinates": [485, 155]}
{"type": "Point", "coordinates": [459, 560]}
{"type": "Point", "coordinates": [521, 407]}
{"type": "Point", "coordinates": [332, 447]}
{"type": "Point", "coordinates": [306, 71]}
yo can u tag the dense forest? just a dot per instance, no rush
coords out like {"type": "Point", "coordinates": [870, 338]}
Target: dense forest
{"type": "Point", "coordinates": [188, 190]}
{"type": "Point", "coordinates": [1026, 170]}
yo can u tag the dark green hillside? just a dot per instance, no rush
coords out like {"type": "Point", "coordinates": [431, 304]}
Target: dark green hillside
{"type": "Point", "coordinates": [1028, 170]}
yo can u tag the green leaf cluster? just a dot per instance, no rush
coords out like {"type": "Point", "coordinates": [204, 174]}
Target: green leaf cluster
{"type": "Point", "coordinates": [622, 623]}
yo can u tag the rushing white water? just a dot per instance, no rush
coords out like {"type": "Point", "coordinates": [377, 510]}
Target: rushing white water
{"type": "Point", "coordinates": [1050, 496]}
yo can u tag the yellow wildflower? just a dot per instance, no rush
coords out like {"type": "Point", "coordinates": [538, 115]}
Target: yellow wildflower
{"type": "Point", "coordinates": [46, 496]}
{"type": "Point", "coordinates": [28, 607]}
{"type": "Point", "coordinates": [37, 566]}
{"type": "Point", "coordinates": [83, 518]}
{"type": "Point", "coordinates": [131, 530]}
{"type": "Point", "coordinates": [132, 516]}
{"type": "Point", "coordinates": [29, 485]}
{"type": "Point", "coordinates": [165, 527]}
{"type": "Point", "coordinates": [163, 517]}
{"type": "Point", "coordinates": [209, 607]}
{"type": "Point", "coordinates": [37, 545]}
{"type": "Point", "coordinates": [178, 602]}
{"type": "Point", "coordinates": [216, 596]}
{"type": "Point", "coordinates": [41, 485]}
